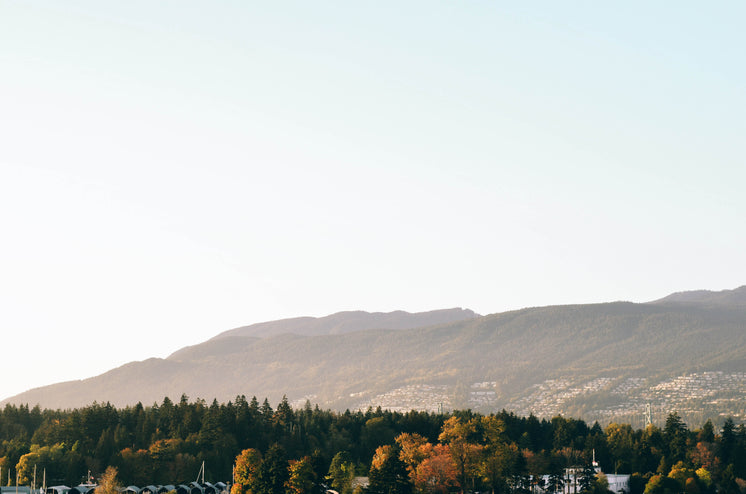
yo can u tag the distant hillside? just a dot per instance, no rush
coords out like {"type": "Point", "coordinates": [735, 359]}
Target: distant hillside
{"type": "Point", "coordinates": [339, 323]}
{"type": "Point", "coordinates": [723, 297]}
{"type": "Point", "coordinates": [594, 361]}
{"type": "Point", "coordinates": [348, 322]}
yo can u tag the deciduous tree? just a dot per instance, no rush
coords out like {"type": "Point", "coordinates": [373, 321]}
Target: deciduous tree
{"type": "Point", "coordinates": [341, 473]}
{"type": "Point", "coordinates": [108, 482]}
{"type": "Point", "coordinates": [301, 478]}
{"type": "Point", "coordinates": [458, 433]}
{"type": "Point", "coordinates": [437, 472]}
{"type": "Point", "coordinates": [246, 471]}
{"type": "Point", "coordinates": [388, 474]}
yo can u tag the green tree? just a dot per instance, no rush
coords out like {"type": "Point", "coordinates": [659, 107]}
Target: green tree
{"type": "Point", "coordinates": [727, 441]}
{"type": "Point", "coordinates": [497, 463]}
{"type": "Point", "coordinates": [728, 483]}
{"type": "Point", "coordinates": [707, 432]}
{"type": "Point", "coordinates": [376, 432]}
{"type": "Point", "coordinates": [273, 471]}
{"type": "Point", "coordinates": [675, 434]}
{"type": "Point", "coordinates": [341, 473]}
{"type": "Point", "coordinates": [51, 458]}
{"type": "Point", "coordinates": [302, 478]}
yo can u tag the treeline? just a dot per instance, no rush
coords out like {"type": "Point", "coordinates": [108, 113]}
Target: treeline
{"type": "Point", "coordinates": [166, 443]}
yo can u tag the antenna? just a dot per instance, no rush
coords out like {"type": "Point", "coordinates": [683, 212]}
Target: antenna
{"type": "Point", "coordinates": [648, 415]}
{"type": "Point", "coordinates": [202, 473]}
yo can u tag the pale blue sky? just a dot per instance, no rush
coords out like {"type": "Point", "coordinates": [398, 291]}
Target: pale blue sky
{"type": "Point", "coordinates": [173, 169]}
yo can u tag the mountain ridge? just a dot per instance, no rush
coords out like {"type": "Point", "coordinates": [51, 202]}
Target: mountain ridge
{"type": "Point", "coordinates": [350, 321]}
{"type": "Point", "coordinates": [487, 362]}
{"type": "Point", "coordinates": [736, 296]}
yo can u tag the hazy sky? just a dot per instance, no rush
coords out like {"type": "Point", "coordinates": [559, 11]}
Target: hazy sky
{"type": "Point", "coordinates": [173, 169]}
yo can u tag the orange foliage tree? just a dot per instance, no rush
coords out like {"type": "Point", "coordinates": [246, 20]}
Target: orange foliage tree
{"type": "Point", "coordinates": [246, 470]}
{"type": "Point", "coordinates": [437, 472]}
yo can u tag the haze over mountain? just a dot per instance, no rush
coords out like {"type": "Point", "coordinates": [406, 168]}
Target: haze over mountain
{"type": "Point", "coordinates": [686, 351]}
{"type": "Point", "coordinates": [347, 322]}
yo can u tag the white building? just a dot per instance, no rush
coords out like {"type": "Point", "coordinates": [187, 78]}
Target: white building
{"type": "Point", "coordinates": [618, 484]}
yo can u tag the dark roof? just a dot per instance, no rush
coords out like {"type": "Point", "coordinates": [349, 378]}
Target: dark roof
{"type": "Point", "coordinates": [57, 489]}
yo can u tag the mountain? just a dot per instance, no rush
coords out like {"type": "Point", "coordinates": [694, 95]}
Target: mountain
{"type": "Point", "coordinates": [339, 323]}
{"type": "Point", "coordinates": [348, 322]}
{"type": "Point", "coordinates": [598, 361]}
{"type": "Point", "coordinates": [723, 297]}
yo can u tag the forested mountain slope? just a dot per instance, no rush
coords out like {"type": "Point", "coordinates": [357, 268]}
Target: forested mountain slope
{"type": "Point", "coordinates": [585, 360]}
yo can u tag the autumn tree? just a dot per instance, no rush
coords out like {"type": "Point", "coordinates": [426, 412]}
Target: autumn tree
{"type": "Point", "coordinates": [660, 484]}
{"type": "Point", "coordinates": [388, 474]}
{"type": "Point", "coordinates": [457, 434]}
{"type": "Point", "coordinates": [437, 472]}
{"type": "Point", "coordinates": [246, 471]}
{"type": "Point", "coordinates": [680, 472]}
{"type": "Point", "coordinates": [301, 478]}
{"type": "Point", "coordinates": [413, 450]}
{"type": "Point", "coordinates": [705, 477]}
{"type": "Point", "coordinates": [108, 482]}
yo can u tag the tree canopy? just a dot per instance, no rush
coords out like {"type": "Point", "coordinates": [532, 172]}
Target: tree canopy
{"type": "Point", "coordinates": [289, 450]}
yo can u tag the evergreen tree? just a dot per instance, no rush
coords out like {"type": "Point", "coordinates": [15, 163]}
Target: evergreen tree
{"type": "Point", "coordinates": [341, 473]}
{"type": "Point", "coordinates": [273, 472]}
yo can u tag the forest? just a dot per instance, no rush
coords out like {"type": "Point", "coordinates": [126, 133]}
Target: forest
{"type": "Point", "coordinates": [259, 449]}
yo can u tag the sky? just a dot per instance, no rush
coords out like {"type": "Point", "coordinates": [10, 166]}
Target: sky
{"type": "Point", "coordinates": [170, 170]}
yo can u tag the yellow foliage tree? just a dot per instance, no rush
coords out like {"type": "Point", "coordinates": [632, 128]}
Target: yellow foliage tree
{"type": "Point", "coordinates": [414, 449]}
{"type": "Point", "coordinates": [302, 476]}
{"type": "Point", "coordinates": [108, 482]}
{"type": "Point", "coordinates": [247, 468]}
{"type": "Point", "coordinates": [457, 433]}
